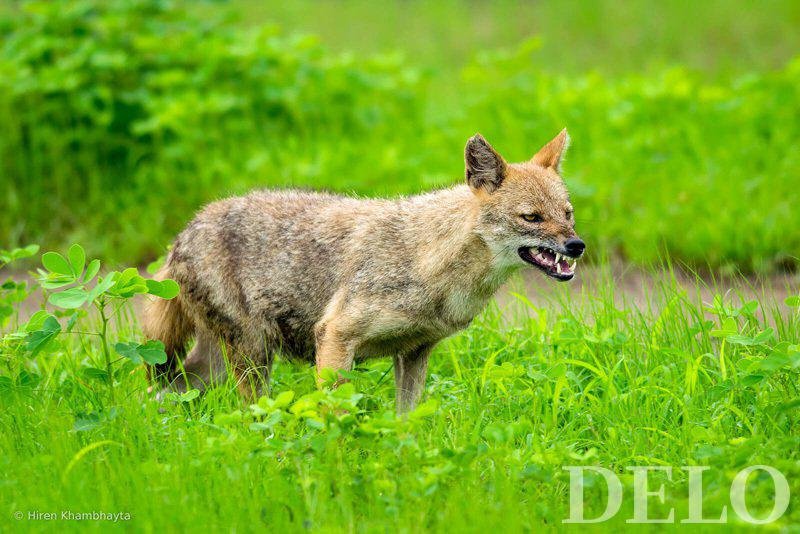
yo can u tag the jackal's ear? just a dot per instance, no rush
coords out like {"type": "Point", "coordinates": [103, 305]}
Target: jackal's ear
{"type": "Point", "coordinates": [552, 153]}
{"type": "Point", "coordinates": [486, 169]}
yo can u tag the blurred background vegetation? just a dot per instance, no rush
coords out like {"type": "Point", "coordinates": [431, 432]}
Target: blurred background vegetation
{"type": "Point", "coordinates": [118, 119]}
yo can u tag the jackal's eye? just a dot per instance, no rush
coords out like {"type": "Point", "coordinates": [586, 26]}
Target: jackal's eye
{"type": "Point", "coordinates": [532, 217]}
{"type": "Point", "coordinates": [568, 214]}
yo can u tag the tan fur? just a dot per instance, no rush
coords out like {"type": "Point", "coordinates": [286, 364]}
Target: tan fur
{"type": "Point", "coordinates": [165, 320]}
{"type": "Point", "coordinates": [333, 279]}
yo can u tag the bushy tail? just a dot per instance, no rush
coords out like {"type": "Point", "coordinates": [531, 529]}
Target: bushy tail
{"type": "Point", "coordinates": [166, 320]}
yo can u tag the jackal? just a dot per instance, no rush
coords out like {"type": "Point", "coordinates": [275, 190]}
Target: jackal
{"type": "Point", "coordinates": [332, 279]}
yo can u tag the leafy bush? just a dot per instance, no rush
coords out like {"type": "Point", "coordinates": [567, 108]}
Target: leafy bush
{"type": "Point", "coordinates": [71, 284]}
{"type": "Point", "coordinates": [143, 111]}
{"type": "Point", "coordinates": [133, 106]}
{"type": "Point", "coordinates": [704, 170]}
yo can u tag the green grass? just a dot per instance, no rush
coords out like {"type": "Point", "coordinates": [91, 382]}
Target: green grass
{"type": "Point", "coordinates": [590, 378]}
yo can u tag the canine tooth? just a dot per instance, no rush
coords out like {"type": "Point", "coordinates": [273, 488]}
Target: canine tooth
{"type": "Point", "coordinates": [558, 257]}
{"type": "Point", "coordinates": [558, 268]}
{"type": "Point", "coordinates": [572, 266]}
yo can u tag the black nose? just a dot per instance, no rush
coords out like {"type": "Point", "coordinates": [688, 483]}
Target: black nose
{"type": "Point", "coordinates": [575, 246]}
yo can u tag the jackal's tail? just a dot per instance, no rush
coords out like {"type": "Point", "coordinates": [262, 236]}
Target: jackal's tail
{"type": "Point", "coordinates": [166, 320]}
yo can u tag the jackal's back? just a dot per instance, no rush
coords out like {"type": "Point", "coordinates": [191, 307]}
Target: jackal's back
{"type": "Point", "coordinates": [266, 264]}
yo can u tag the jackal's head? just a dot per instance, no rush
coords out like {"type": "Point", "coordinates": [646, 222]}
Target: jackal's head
{"type": "Point", "coordinates": [525, 211]}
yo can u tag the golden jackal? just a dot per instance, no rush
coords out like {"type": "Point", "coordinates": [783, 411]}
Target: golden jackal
{"type": "Point", "coordinates": [333, 279]}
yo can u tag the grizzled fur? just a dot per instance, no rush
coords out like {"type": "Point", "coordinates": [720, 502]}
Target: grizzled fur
{"type": "Point", "coordinates": [332, 279]}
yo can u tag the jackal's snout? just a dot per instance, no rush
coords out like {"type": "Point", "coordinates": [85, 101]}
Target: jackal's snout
{"type": "Point", "coordinates": [574, 247]}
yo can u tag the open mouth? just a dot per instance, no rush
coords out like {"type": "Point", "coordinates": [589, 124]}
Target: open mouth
{"type": "Point", "coordinates": [551, 262]}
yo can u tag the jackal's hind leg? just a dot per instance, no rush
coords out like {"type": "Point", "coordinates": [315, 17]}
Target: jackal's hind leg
{"type": "Point", "coordinates": [203, 367]}
{"type": "Point", "coordinates": [410, 370]}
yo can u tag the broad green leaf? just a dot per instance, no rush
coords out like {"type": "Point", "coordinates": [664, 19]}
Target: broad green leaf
{"type": "Point", "coordinates": [128, 283]}
{"type": "Point", "coordinates": [426, 409]}
{"type": "Point", "coordinates": [37, 321]}
{"type": "Point", "coordinates": [739, 339]}
{"type": "Point", "coordinates": [152, 352]}
{"type": "Point", "coordinates": [129, 350]}
{"type": "Point", "coordinates": [102, 286]}
{"type": "Point", "coordinates": [774, 361]}
{"type": "Point", "coordinates": [793, 301]}
{"type": "Point", "coordinates": [87, 422]}
{"type": "Point", "coordinates": [273, 419]}
{"type": "Point", "coordinates": [728, 328]}
{"type": "Point", "coordinates": [93, 373]}
{"type": "Point", "coordinates": [91, 271]}
{"type": "Point", "coordinates": [77, 259]}
{"type": "Point", "coordinates": [166, 289]}
{"type": "Point", "coordinates": [752, 380]}
{"type": "Point", "coordinates": [155, 266]}
{"type": "Point", "coordinates": [24, 252]}
{"type": "Point", "coordinates": [793, 353]}
{"type": "Point", "coordinates": [127, 277]}
{"type": "Point", "coordinates": [69, 299]}
{"type": "Point", "coordinates": [56, 281]}
{"type": "Point", "coordinates": [7, 256]}
{"type": "Point", "coordinates": [188, 396]}
{"type": "Point", "coordinates": [749, 308]}
{"type": "Point", "coordinates": [763, 337]}
{"type": "Point", "coordinates": [226, 419]}
{"type": "Point", "coordinates": [284, 399]}
{"type": "Point", "coordinates": [40, 338]}
{"type": "Point", "coordinates": [55, 263]}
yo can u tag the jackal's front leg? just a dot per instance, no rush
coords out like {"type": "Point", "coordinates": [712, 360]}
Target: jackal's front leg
{"type": "Point", "coordinates": [334, 350]}
{"type": "Point", "coordinates": [410, 371]}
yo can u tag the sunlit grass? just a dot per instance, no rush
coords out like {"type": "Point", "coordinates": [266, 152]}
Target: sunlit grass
{"type": "Point", "coordinates": [588, 378]}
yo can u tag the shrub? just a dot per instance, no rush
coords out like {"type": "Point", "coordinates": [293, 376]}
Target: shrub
{"type": "Point", "coordinates": [133, 106]}
{"type": "Point", "coordinates": [667, 162]}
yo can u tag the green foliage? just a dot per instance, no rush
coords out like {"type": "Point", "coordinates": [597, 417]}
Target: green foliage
{"type": "Point", "coordinates": [666, 162]}
{"type": "Point", "coordinates": [12, 293]}
{"type": "Point", "coordinates": [100, 96]}
{"type": "Point", "coordinates": [151, 352]}
{"type": "Point", "coordinates": [71, 284]}
{"type": "Point", "coordinates": [8, 256]}
{"type": "Point", "coordinates": [593, 379]}
{"type": "Point", "coordinates": [41, 329]}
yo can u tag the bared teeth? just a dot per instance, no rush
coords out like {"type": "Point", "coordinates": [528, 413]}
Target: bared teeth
{"type": "Point", "coordinates": [558, 257]}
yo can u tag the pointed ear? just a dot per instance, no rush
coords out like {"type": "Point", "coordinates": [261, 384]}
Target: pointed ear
{"type": "Point", "coordinates": [552, 153]}
{"type": "Point", "coordinates": [486, 169]}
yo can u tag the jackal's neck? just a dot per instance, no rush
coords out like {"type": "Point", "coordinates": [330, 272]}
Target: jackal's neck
{"type": "Point", "coordinates": [451, 248]}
